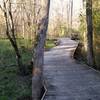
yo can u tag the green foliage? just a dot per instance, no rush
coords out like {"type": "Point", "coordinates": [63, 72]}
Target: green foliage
{"type": "Point", "coordinates": [12, 85]}
{"type": "Point", "coordinates": [96, 21]}
{"type": "Point", "coordinates": [96, 17]}
{"type": "Point", "coordinates": [50, 43]}
{"type": "Point", "coordinates": [58, 28]}
{"type": "Point", "coordinates": [96, 29]}
{"type": "Point", "coordinates": [82, 27]}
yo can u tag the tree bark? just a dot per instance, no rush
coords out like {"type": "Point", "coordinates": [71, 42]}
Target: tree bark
{"type": "Point", "coordinates": [10, 32]}
{"type": "Point", "coordinates": [71, 21]}
{"type": "Point", "coordinates": [42, 24]}
{"type": "Point", "coordinates": [90, 52]}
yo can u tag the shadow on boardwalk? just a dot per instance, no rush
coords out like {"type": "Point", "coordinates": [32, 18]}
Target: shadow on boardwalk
{"type": "Point", "coordinates": [66, 79]}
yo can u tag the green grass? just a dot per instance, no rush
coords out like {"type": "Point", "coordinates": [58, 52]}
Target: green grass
{"type": "Point", "coordinates": [12, 85]}
{"type": "Point", "coordinates": [49, 44]}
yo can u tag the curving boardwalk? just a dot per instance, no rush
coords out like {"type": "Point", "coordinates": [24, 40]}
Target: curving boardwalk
{"type": "Point", "coordinates": [67, 79]}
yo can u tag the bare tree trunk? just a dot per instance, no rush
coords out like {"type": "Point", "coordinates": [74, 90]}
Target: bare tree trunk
{"type": "Point", "coordinates": [10, 32]}
{"type": "Point", "coordinates": [68, 16]}
{"type": "Point", "coordinates": [71, 21]}
{"type": "Point", "coordinates": [90, 53]}
{"type": "Point", "coordinates": [42, 24]}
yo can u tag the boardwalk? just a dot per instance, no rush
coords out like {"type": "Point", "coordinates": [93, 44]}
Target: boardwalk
{"type": "Point", "coordinates": [67, 79]}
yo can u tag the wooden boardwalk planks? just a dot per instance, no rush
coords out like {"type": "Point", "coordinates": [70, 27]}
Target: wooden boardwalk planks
{"type": "Point", "coordinates": [67, 79]}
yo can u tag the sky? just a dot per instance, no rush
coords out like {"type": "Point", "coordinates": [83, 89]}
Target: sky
{"type": "Point", "coordinates": [77, 6]}
{"type": "Point", "coordinates": [60, 7]}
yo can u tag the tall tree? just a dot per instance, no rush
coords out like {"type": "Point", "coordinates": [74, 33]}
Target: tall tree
{"type": "Point", "coordinates": [10, 32]}
{"type": "Point", "coordinates": [71, 21]}
{"type": "Point", "coordinates": [70, 15]}
{"type": "Point", "coordinates": [42, 13]}
{"type": "Point", "coordinates": [89, 20]}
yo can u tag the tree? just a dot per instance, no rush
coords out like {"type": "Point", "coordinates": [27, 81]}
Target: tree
{"type": "Point", "coordinates": [90, 52]}
{"type": "Point", "coordinates": [42, 10]}
{"type": "Point", "coordinates": [10, 32]}
{"type": "Point", "coordinates": [71, 21]}
{"type": "Point", "coordinates": [70, 15]}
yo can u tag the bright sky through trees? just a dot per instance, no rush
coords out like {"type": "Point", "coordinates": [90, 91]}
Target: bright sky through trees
{"type": "Point", "coordinates": [60, 6]}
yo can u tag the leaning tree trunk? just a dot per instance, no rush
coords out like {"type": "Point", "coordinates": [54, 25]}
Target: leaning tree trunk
{"type": "Point", "coordinates": [42, 24]}
{"type": "Point", "coordinates": [10, 32]}
{"type": "Point", "coordinates": [90, 53]}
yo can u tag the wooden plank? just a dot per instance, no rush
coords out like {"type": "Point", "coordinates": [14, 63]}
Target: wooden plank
{"type": "Point", "coordinates": [67, 79]}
